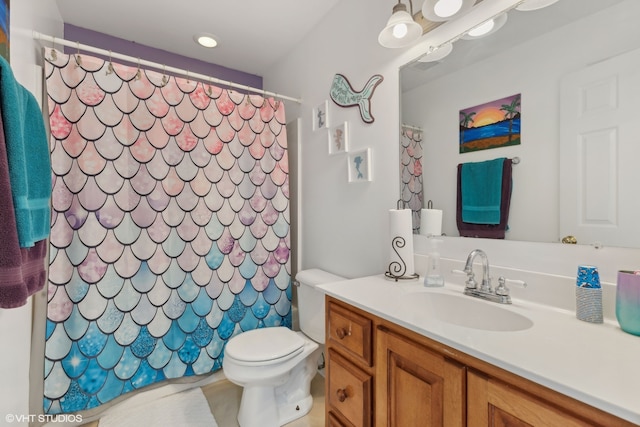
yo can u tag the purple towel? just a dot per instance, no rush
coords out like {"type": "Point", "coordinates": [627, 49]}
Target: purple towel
{"type": "Point", "coordinates": [490, 231]}
{"type": "Point", "coordinates": [22, 270]}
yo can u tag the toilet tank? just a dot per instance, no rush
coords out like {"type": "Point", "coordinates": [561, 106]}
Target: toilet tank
{"type": "Point", "coordinates": [311, 301]}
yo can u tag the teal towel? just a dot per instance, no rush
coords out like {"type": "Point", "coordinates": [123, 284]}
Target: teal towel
{"type": "Point", "coordinates": [28, 157]}
{"type": "Point", "coordinates": [481, 186]}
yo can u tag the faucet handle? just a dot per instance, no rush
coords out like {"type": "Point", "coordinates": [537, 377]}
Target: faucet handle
{"type": "Point", "coordinates": [502, 288]}
{"type": "Point", "coordinates": [471, 280]}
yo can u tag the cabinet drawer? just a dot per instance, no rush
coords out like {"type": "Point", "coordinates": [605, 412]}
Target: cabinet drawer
{"type": "Point", "coordinates": [350, 332]}
{"type": "Point", "coordinates": [349, 390]}
{"type": "Point", "coordinates": [334, 420]}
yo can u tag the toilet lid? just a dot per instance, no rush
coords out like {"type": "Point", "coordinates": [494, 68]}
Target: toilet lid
{"type": "Point", "coordinates": [264, 345]}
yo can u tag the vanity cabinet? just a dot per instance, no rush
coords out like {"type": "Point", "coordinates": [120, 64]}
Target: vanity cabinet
{"type": "Point", "coordinates": [349, 380]}
{"type": "Point", "coordinates": [416, 386]}
{"type": "Point", "coordinates": [381, 374]}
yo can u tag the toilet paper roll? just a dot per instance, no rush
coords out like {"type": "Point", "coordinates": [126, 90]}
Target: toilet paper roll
{"type": "Point", "coordinates": [431, 222]}
{"type": "Point", "coordinates": [401, 251]}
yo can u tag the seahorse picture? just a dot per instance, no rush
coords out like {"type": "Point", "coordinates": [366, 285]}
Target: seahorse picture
{"type": "Point", "coordinates": [321, 116]}
{"type": "Point", "coordinates": [359, 166]}
{"type": "Point", "coordinates": [339, 138]}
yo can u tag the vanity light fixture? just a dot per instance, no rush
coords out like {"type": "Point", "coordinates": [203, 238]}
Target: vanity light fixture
{"type": "Point", "coordinates": [528, 5]}
{"type": "Point", "coordinates": [445, 10]}
{"type": "Point", "coordinates": [206, 40]}
{"type": "Point", "coordinates": [486, 28]}
{"type": "Point", "coordinates": [401, 30]}
{"type": "Point", "coordinates": [436, 53]}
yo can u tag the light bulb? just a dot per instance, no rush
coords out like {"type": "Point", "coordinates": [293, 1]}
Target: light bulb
{"type": "Point", "coordinates": [482, 29]}
{"type": "Point", "coordinates": [400, 30]}
{"type": "Point", "coordinates": [206, 40]}
{"type": "Point", "coordinates": [447, 8]}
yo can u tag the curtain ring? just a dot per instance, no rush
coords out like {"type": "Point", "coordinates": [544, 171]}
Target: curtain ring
{"type": "Point", "coordinates": [54, 53]}
{"type": "Point", "coordinates": [110, 66]}
{"type": "Point", "coordinates": [247, 98]}
{"type": "Point", "coordinates": [165, 79]}
{"type": "Point", "coordinates": [78, 57]}
{"type": "Point", "coordinates": [138, 73]}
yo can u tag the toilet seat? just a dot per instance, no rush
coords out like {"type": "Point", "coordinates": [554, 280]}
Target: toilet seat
{"type": "Point", "coordinates": [265, 346]}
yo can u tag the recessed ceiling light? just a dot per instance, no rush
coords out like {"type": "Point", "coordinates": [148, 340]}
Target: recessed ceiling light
{"type": "Point", "coordinates": [206, 40]}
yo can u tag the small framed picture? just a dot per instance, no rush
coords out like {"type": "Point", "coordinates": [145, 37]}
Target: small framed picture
{"type": "Point", "coordinates": [321, 116]}
{"type": "Point", "coordinates": [359, 166]}
{"type": "Point", "coordinates": [339, 139]}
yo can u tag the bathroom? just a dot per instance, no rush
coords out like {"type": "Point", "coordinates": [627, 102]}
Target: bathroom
{"type": "Point", "coordinates": [344, 227]}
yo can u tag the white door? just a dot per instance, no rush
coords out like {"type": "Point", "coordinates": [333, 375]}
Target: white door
{"type": "Point", "coordinates": [600, 152]}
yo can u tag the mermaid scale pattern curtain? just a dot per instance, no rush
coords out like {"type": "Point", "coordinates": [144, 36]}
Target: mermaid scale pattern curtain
{"type": "Point", "coordinates": [170, 227]}
{"type": "Point", "coordinates": [411, 192]}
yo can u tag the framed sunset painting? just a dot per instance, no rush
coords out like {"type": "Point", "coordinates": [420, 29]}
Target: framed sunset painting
{"type": "Point", "coordinates": [4, 29]}
{"type": "Point", "coordinates": [491, 125]}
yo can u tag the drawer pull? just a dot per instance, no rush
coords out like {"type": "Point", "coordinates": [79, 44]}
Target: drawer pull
{"type": "Point", "coordinates": [342, 394]}
{"type": "Point", "coordinates": [342, 332]}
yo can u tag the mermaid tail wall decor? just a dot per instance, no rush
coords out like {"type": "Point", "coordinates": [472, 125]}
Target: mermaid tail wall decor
{"type": "Point", "coordinates": [344, 95]}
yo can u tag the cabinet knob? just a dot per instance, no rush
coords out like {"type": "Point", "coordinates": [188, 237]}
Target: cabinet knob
{"type": "Point", "coordinates": [342, 394]}
{"type": "Point", "coordinates": [341, 332]}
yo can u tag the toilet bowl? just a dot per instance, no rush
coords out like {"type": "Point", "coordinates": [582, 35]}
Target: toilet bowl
{"type": "Point", "coordinates": [275, 365]}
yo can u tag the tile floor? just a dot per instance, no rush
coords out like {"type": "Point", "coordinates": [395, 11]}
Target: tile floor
{"type": "Point", "coordinates": [224, 401]}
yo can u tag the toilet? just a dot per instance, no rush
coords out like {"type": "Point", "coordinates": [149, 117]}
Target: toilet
{"type": "Point", "coordinates": [275, 365]}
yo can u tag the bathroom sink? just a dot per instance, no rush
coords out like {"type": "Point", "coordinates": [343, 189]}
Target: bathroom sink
{"type": "Point", "coordinates": [466, 311]}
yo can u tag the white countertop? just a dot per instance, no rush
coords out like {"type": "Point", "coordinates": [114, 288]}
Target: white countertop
{"type": "Point", "coordinates": [598, 364]}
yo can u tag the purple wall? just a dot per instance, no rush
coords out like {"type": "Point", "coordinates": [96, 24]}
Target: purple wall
{"type": "Point", "coordinates": [115, 44]}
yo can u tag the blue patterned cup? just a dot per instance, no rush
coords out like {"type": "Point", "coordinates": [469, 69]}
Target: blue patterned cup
{"type": "Point", "coordinates": [588, 294]}
{"type": "Point", "coordinates": [588, 277]}
{"type": "Point", "coordinates": [628, 301]}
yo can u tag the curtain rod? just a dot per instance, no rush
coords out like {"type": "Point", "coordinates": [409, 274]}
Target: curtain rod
{"type": "Point", "coordinates": [173, 70]}
{"type": "Point", "coordinates": [412, 127]}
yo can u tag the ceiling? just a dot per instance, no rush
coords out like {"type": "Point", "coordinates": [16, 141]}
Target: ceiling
{"type": "Point", "coordinates": [253, 34]}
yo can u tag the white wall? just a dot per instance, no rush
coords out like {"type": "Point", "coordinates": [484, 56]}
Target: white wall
{"type": "Point", "coordinates": [535, 70]}
{"type": "Point", "coordinates": [15, 324]}
{"type": "Point", "coordinates": [343, 222]}
{"type": "Point", "coordinates": [345, 225]}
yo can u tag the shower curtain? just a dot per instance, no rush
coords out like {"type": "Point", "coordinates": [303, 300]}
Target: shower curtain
{"type": "Point", "coordinates": [169, 228]}
{"type": "Point", "coordinates": [411, 192]}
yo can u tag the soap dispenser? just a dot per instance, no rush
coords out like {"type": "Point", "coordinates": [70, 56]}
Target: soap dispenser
{"type": "Point", "coordinates": [434, 277]}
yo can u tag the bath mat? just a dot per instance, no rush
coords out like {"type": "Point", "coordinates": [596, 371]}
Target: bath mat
{"type": "Point", "coordinates": [186, 409]}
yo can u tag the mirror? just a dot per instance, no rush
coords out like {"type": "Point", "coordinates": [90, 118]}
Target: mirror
{"type": "Point", "coordinates": [537, 54]}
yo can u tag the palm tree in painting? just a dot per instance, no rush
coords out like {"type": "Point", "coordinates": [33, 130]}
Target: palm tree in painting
{"type": "Point", "coordinates": [467, 118]}
{"type": "Point", "coordinates": [510, 112]}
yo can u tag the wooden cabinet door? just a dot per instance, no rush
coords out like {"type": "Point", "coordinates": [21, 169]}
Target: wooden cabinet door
{"type": "Point", "coordinates": [416, 386]}
{"type": "Point", "coordinates": [349, 391]}
{"type": "Point", "coordinates": [494, 403]}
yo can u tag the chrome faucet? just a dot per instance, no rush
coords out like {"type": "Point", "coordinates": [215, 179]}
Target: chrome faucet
{"type": "Point", "coordinates": [501, 293]}
{"type": "Point", "coordinates": [485, 286]}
